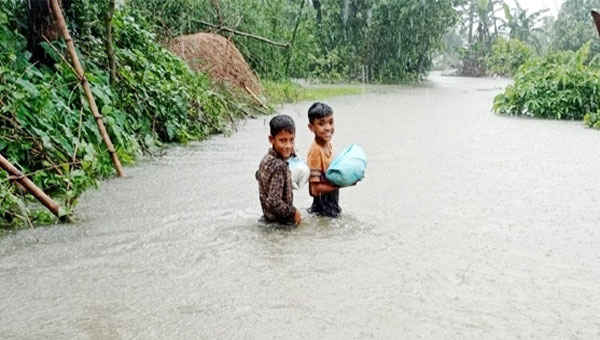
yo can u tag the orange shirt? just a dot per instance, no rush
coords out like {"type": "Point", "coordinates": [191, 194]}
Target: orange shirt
{"type": "Point", "coordinates": [318, 160]}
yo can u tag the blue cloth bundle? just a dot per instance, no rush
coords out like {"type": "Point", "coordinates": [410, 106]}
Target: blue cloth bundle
{"type": "Point", "coordinates": [348, 167]}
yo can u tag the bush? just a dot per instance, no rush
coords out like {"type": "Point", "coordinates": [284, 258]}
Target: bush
{"type": "Point", "coordinates": [592, 120]}
{"type": "Point", "coordinates": [560, 85]}
{"type": "Point", "coordinates": [473, 59]}
{"type": "Point", "coordinates": [508, 56]}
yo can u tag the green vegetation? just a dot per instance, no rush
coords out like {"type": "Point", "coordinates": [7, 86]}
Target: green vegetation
{"type": "Point", "coordinates": [485, 34]}
{"type": "Point", "coordinates": [574, 27]}
{"type": "Point", "coordinates": [489, 31]}
{"type": "Point", "coordinates": [46, 128]}
{"type": "Point", "coordinates": [565, 82]}
{"type": "Point", "coordinates": [288, 92]}
{"type": "Point", "coordinates": [560, 85]}
{"type": "Point", "coordinates": [508, 56]}
{"type": "Point", "coordinates": [384, 41]}
{"type": "Point", "coordinates": [45, 125]}
{"type": "Point", "coordinates": [554, 74]}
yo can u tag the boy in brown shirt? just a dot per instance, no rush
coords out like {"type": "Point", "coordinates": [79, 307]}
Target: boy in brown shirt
{"type": "Point", "coordinates": [325, 195]}
{"type": "Point", "coordinates": [274, 177]}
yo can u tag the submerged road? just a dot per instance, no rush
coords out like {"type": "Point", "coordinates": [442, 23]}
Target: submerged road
{"type": "Point", "coordinates": [468, 225]}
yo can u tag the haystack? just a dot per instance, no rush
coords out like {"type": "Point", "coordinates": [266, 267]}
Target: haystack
{"type": "Point", "coordinates": [216, 56]}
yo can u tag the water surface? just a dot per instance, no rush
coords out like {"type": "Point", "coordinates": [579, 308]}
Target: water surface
{"type": "Point", "coordinates": [468, 225]}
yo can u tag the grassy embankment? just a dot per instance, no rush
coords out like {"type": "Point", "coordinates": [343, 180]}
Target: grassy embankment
{"type": "Point", "coordinates": [288, 92]}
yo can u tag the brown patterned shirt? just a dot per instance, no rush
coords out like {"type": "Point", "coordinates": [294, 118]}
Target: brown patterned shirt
{"type": "Point", "coordinates": [275, 188]}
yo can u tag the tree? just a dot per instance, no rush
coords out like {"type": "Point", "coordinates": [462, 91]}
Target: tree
{"type": "Point", "coordinates": [110, 51]}
{"type": "Point", "coordinates": [404, 35]}
{"type": "Point", "coordinates": [41, 25]}
{"type": "Point", "coordinates": [523, 26]}
{"type": "Point", "coordinates": [481, 23]}
{"type": "Point", "coordinates": [574, 26]}
{"type": "Point", "coordinates": [480, 19]}
{"type": "Point", "coordinates": [388, 40]}
{"type": "Point", "coordinates": [332, 39]}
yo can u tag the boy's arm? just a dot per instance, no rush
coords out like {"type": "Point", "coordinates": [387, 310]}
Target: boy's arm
{"type": "Point", "coordinates": [321, 188]}
{"type": "Point", "coordinates": [275, 202]}
{"type": "Point", "coordinates": [317, 184]}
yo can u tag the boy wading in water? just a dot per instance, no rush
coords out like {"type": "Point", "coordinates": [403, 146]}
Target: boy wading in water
{"type": "Point", "coordinates": [325, 195]}
{"type": "Point", "coordinates": [274, 176]}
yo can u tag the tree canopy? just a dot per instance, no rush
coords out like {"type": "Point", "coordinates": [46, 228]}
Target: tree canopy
{"type": "Point", "coordinates": [390, 40]}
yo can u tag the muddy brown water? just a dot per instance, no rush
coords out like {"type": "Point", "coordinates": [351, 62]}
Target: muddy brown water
{"type": "Point", "coordinates": [468, 225]}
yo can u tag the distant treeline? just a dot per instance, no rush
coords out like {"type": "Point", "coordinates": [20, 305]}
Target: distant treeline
{"type": "Point", "coordinates": [374, 40]}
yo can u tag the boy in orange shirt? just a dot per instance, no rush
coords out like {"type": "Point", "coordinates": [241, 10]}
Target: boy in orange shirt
{"type": "Point", "coordinates": [325, 195]}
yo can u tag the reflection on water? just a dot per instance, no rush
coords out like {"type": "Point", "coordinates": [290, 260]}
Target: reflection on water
{"type": "Point", "coordinates": [468, 225]}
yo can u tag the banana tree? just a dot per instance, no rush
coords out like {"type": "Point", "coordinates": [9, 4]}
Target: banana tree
{"type": "Point", "coordinates": [521, 25]}
{"type": "Point", "coordinates": [481, 20]}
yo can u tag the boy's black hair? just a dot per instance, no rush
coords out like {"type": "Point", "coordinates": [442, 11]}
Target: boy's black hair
{"type": "Point", "coordinates": [282, 123]}
{"type": "Point", "coordinates": [318, 110]}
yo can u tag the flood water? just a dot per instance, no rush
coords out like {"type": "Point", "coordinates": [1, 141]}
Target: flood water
{"type": "Point", "coordinates": [468, 225]}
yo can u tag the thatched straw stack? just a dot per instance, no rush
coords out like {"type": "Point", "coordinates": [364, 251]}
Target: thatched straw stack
{"type": "Point", "coordinates": [216, 56]}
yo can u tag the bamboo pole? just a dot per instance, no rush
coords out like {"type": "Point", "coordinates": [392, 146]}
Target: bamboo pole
{"type": "Point", "coordinates": [86, 86]}
{"type": "Point", "coordinates": [255, 97]}
{"type": "Point", "coordinates": [30, 186]}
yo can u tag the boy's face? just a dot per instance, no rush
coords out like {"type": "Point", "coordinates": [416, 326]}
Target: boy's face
{"type": "Point", "coordinates": [283, 143]}
{"type": "Point", "coordinates": [323, 128]}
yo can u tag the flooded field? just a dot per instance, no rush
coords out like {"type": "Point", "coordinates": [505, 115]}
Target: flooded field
{"type": "Point", "coordinates": [468, 225]}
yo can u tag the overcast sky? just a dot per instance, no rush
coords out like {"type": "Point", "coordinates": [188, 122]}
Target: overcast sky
{"type": "Point", "coordinates": [536, 5]}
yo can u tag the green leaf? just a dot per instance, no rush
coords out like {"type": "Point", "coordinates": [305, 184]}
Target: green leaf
{"type": "Point", "coordinates": [106, 109]}
{"type": "Point", "coordinates": [28, 86]}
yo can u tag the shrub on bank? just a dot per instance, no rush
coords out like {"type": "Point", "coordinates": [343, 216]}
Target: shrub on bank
{"type": "Point", "coordinates": [507, 56]}
{"type": "Point", "coordinates": [561, 85]}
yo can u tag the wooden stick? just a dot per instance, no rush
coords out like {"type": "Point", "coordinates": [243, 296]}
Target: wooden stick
{"type": "Point", "coordinates": [86, 86]}
{"type": "Point", "coordinates": [244, 34]}
{"type": "Point", "coordinates": [255, 97]}
{"type": "Point", "coordinates": [596, 17]}
{"type": "Point", "coordinates": [218, 9]}
{"type": "Point", "coordinates": [61, 56]}
{"type": "Point", "coordinates": [30, 186]}
{"type": "Point", "coordinates": [12, 178]}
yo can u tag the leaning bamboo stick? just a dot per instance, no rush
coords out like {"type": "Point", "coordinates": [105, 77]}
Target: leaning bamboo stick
{"type": "Point", "coordinates": [30, 186]}
{"type": "Point", "coordinates": [255, 97]}
{"type": "Point", "coordinates": [86, 86]}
